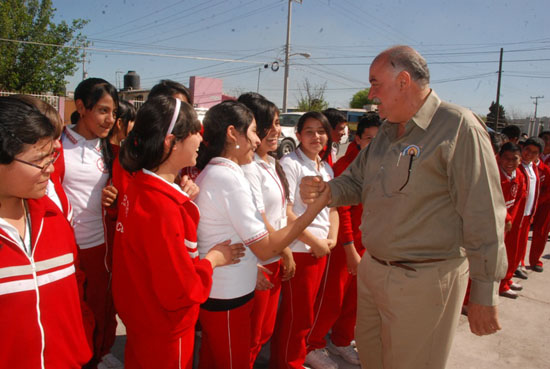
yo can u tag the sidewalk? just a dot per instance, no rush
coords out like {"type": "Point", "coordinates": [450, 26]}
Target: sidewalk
{"type": "Point", "coordinates": [523, 342]}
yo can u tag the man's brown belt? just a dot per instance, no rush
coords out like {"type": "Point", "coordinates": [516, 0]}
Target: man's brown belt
{"type": "Point", "coordinates": [403, 264]}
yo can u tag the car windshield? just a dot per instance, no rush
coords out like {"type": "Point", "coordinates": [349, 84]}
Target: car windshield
{"type": "Point", "coordinates": [289, 120]}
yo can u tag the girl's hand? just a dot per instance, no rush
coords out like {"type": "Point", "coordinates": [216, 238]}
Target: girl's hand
{"type": "Point", "coordinates": [320, 249]}
{"type": "Point", "coordinates": [289, 266]}
{"type": "Point", "coordinates": [262, 283]}
{"type": "Point", "coordinates": [225, 254]}
{"type": "Point", "coordinates": [189, 187]}
{"type": "Point", "coordinates": [108, 196]}
{"type": "Point", "coordinates": [352, 258]}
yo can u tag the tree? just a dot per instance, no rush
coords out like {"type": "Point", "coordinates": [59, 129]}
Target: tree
{"type": "Point", "coordinates": [27, 67]}
{"type": "Point", "coordinates": [312, 97]}
{"type": "Point", "coordinates": [492, 116]}
{"type": "Point", "coordinates": [360, 99]}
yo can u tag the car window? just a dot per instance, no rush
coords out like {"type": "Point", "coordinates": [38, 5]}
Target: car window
{"type": "Point", "coordinates": [289, 120]}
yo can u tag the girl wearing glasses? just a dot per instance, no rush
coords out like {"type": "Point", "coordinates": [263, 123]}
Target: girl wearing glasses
{"type": "Point", "coordinates": [87, 163]}
{"type": "Point", "coordinates": [40, 310]}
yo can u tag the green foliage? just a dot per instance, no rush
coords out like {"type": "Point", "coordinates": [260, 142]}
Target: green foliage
{"type": "Point", "coordinates": [492, 116]}
{"type": "Point", "coordinates": [360, 99]}
{"type": "Point", "coordinates": [35, 68]}
{"type": "Point", "coordinates": [312, 97]}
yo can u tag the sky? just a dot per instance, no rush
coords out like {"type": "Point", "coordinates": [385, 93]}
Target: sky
{"type": "Point", "coordinates": [461, 41]}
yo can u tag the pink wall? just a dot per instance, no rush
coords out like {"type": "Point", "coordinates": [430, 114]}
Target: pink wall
{"type": "Point", "coordinates": [207, 92]}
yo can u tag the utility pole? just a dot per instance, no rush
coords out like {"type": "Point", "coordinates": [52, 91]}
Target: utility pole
{"type": "Point", "coordinates": [536, 126]}
{"type": "Point", "coordinates": [498, 89]}
{"type": "Point", "coordinates": [287, 53]}
{"type": "Point", "coordinates": [84, 73]}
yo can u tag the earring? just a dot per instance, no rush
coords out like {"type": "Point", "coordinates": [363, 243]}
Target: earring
{"type": "Point", "coordinates": [237, 146]}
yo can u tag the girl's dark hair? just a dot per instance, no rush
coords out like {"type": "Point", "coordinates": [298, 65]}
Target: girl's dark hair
{"type": "Point", "coordinates": [46, 109]}
{"type": "Point", "coordinates": [535, 141]}
{"type": "Point", "coordinates": [90, 91]}
{"type": "Point", "coordinates": [509, 146]}
{"type": "Point", "coordinates": [215, 123]}
{"type": "Point", "coordinates": [168, 88]}
{"type": "Point", "coordinates": [265, 112]}
{"type": "Point", "coordinates": [126, 112]}
{"type": "Point", "coordinates": [144, 146]}
{"type": "Point", "coordinates": [20, 124]}
{"type": "Point", "coordinates": [324, 122]}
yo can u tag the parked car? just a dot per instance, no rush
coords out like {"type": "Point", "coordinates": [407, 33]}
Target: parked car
{"type": "Point", "coordinates": [288, 140]}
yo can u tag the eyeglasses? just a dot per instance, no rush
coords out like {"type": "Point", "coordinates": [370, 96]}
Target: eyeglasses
{"type": "Point", "coordinates": [54, 155]}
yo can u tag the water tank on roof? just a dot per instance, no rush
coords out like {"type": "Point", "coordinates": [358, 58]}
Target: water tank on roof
{"type": "Point", "coordinates": [131, 80]}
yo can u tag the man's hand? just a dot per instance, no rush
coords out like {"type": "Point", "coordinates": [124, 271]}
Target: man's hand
{"type": "Point", "coordinates": [483, 319]}
{"type": "Point", "coordinates": [311, 188]}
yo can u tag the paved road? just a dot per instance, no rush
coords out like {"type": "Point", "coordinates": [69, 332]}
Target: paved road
{"type": "Point", "coordinates": [523, 342]}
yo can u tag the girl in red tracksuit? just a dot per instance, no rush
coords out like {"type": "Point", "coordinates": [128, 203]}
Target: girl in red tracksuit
{"type": "Point", "coordinates": [41, 315]}
{"type": "Point", "coordinates": [513, 185]}
{"type": "Point", "coordinates": [270, 189]}
{"type": "Point", "coordinates": [158, 281]}
{"type": "Point", "coordinates": [541, 219]}
{"type": "Point", "coordinates": [228, 210]}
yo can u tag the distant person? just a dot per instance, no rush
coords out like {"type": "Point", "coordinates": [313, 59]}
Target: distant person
{"type": "Point", "coordinates": [426, 208]}
{"type": "Point", "coordinates": [497, 140]}
{"type": "Point", "coordinates": [512, 133]}
{"type": "Point", "coordinates": [175, 89]}
{"type": "Point", "coordinates": [336, 302]}
{"type": "Point", "coordinates": [514, 190]}
{"type": "Point", "coordinates": [339, 127]}
{"type": "Point", "coordinates": [532, 148]}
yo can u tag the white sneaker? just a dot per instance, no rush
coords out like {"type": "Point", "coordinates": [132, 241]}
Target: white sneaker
{"type": "Point", "coordinates": [109, 361]}
{"type": "Point", "coordinates": [347, 353]}
{"type": "Point", "coordinates": [319, 359]}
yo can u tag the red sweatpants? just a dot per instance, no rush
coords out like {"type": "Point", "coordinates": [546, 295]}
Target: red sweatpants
{"type": "Point", "coordinates": [264, 311]}
{"type": "Point", "coordinates": [99, 297]}
{"type": "Point", "coordinates": [335, 304]}
{"type": "Point", "coordinates": [145, 351]}
{"type": "Point", "coordinates": [541, 228]}
{"type": "Point", "coordinates": [523, 238]}
{"type": "Point", "coordinates": [295, 316]}
{"type": "Point", "coordinates": [511, 241]}
{"type": "Point", "coordinates": [225, 338]}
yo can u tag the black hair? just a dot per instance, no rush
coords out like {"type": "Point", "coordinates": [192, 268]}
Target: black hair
{"type": "Point", "coordinates": [324, 122]}
{"type": "Point", "coordinates": [126, 112]}
{"type": "Point", "coordinates": [543, 133]}
{"type": "Point", "coordinates": [144, 146]}
{"type": "Point", "coordinates": [20, 124]}
{"type": "Point", "coordinates": [334, 117]}
{"type": "Point", "coordinates": [46, 109]}
{"type": "Point", "coordinates": [535, 141]}
{"type": "Point", "coordinates": [511, 131]}
{"type": "Point", "coordinates": [497, 139]}
{"type": "Point", "coordinates": [509, 147]}
{"type": "Point", "coordinates": [90, 91]}
{"type": "Point", "coordinates": [367, 121]}
{"type": "Point", "coordinates": [168, 88]}
{"type": "Point", "coordinates": [215, 123]}
{"type": "Point", "coordinates": [264, 113]}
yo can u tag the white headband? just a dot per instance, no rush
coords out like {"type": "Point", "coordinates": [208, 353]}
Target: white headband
{"type": "Point", "coordinates": [174, 117]}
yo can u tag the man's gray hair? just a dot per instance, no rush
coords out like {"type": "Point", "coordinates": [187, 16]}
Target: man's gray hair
{"type": "Point", "coordinates": [408, 59]}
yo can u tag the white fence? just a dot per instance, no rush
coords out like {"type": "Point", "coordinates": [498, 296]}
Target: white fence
{"type": "Point", "coordinates": [53, 100]}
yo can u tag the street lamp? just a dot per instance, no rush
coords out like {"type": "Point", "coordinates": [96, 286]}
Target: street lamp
{"type": "Point", "coordinates": [287, 68]}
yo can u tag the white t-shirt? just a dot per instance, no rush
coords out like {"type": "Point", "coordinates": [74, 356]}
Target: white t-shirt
{"type": "Point", "coordinates": [530, 201]}
{"type": "Point", "coordinates": [296, 166]}
{"type": "Point", "coordinates": [228, 212]}
{"type": "Point", "coordinates": [268, 193]}
{"type": "Point", "coordinates": [85, 178]}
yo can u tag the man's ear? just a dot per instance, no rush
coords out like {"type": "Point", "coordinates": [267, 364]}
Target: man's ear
{"type": "Point", "coordinates": [404, 79]}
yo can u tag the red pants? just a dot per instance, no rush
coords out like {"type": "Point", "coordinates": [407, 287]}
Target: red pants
{"type": "Point", "coordinates": [511, 241]}
{"type": "Point", "coordinates": [295, 316]}
{"type": "Point", "coordinates": [523, 238]}
{"type": "Point", "coordinates": [145, 351]}
{"type": "Point", "coordinates": [335, 305]}
{"type": "Point", "coordinates": [98, 296]}
{"type": "Point", "coordinates": [225, 338]}
{"type": "Point", "coordinates": [541, 228]}
{"type": "Point", "coordinates": [264, 311]}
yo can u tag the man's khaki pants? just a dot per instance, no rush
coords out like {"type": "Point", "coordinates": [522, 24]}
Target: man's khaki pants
{"type": "Point", "coordinates": [407, 319]}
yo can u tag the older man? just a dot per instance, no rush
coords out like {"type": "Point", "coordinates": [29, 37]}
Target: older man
{"type": "Point", "coordinates": [430, 190]}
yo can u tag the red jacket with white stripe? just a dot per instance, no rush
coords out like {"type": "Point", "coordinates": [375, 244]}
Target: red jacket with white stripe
{"type": "Point", "coordinates": [514, 192]}
{"type": "Point", "coordinates": [158, 280]}
{"type": "Point", "coordinates": [41, 321]}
